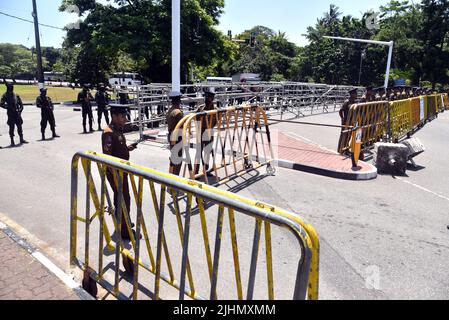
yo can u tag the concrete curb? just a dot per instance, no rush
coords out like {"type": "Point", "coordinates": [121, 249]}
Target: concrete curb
{"type": "Point", "coordinates": [286, 164]}
{"type": "Point", "coordinates": [354, 176]}
{"type": "Point", "coordinates": [51, 267]}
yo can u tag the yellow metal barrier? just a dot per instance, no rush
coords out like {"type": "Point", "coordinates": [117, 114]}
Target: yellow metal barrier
{"type": "Point", "coordinates": [176, 230]}
{"type": "Point", "coordinates": [401, 118]}
{"type": "Point", "coordinates": [370, 117]}
{"type": "Point", "coordinates": [406, 116]}
{"type": "Point", "coordinates": [415, 105]}
{"type": "Point", "coordinates": [440, 103]}
{"type": "Point", "coordinates": [227, 142]}
{"type": "Point", "coordinates": [432, 107]}
{"type": "Point", "coordinates": [446, 101]}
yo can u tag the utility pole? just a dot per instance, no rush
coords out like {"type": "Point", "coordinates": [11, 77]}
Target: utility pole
{"type": "Point", "coordinates": [40, 72]}
{"type": "Point", "coordinates": [362, 56]}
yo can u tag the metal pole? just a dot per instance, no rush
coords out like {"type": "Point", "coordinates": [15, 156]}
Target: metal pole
{"type": "Point", "coordinates": [382, 43]}
{"type": "Point", "coordinates": [139, 106]}
{"type": "Point", "coordinates": [361, 64]}
{"type": "Point", "coordinates": [387, 79]}
{"type": "Point", "coordinates": [387, 74]}
{"type": "Point", "coordinates": [40, 73]}
{"type": "Point", "coordinates": [176, 45]}
{"type": "Point", "coordinates": [390, 55]}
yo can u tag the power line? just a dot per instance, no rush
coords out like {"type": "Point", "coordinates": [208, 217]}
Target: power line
{"type": "Point", "coordinates": [29, 21]}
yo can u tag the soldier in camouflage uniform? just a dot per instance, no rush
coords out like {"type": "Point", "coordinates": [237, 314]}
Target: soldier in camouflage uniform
{"type": "Point", "coordinates": [14, 106]}
{"type": "Point", "coordinates": [47, 116]}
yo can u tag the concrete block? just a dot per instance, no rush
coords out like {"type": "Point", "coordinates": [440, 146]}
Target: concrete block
{"type": "Point", "coordinates": [391, 158]}
{"type": "Point", "coordinates": [414, 146]}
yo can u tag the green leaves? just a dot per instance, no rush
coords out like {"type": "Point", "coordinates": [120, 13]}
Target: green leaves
{"type": "Point", "coordinates": [141, 31]}
{"type": "Point", "coordinates": [420, 33]}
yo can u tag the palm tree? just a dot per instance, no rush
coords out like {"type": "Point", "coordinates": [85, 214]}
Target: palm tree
{"type": "Point", "coordinates": [332, 16]}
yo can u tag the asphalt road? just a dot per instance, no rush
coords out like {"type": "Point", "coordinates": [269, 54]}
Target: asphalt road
{"type": "Point", "coordinates": [390, 232]}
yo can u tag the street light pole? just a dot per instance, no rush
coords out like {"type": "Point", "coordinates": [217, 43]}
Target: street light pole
{"type": "Point", "coordinates": [176, 45]}
{"type": "Point", "coordinates": [382, 43]}
{"type": "Point", "coordinates": [387, 74]}
{"type": "Point", "coordinates": [40, 72]}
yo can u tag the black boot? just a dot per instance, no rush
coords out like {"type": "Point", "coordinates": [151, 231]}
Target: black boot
{"type": "Point", "coordinates": [22, 140]}
{"type": "Point", "coordinates": [84, 129]}
{"type": "Point", "coordinates": [91, 129]}
{"type": "Point", "coordinates": [55, 135]}
{"type": "Point", "coordinates": [12, 142]}
{"type": "Point", "coordinates": [43, 136]}
{"type": "Point", "coordinates": [99, 128]}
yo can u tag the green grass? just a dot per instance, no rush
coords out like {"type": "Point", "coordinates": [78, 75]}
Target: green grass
{"type": "Point", "coordinates": [29, 93]}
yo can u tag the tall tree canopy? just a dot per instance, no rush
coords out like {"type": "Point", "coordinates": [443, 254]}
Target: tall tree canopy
{"type": "Point", "coordinates": [141, 29]}
{"type": "Point", "coordinates": [135, 35]}
{"type": "Point", "coordinates": [421, 45]}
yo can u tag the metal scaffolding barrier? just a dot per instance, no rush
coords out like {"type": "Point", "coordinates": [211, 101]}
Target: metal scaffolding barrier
{"type": "Point", "coordinates": [149, 103]}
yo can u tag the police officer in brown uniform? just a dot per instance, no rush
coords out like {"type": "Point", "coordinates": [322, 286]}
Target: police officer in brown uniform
{"type": "Point", "coordinates": [344, 112]}
{"type": "Point", "coordinates": [368, 96]}
{"type": "Point", "coordinates": [390, 94]}
{"type": "Point", "coordinates": [47, 116]}
{"type": "Point", "coordinates": [174, 115]}
{"type": "Point", "coordinates": [14, 106]}
{"type": "Point", "coordinates": [207, 131]}
{"type": "Point", "coordinates": [114, 144]}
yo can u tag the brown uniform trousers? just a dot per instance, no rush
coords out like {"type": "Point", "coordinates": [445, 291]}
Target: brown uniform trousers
{"type": "Point", "coordinates": [206, 140]}
{"type": "Point", "coordinates": [174, 115]}
{"type": "Point", "coordinates": [114, 144]}
{"type": "Point", "coordinates": [344, 111]}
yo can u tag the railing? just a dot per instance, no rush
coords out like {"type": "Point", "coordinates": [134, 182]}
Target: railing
{"type": "Point", "coordinates": [179, 232]}
{"type": "Point", "coordinates": [227, 142]}
{"type": "Point", "coordinates": [390, 121]}
{"type": "Point", "coordinates": [150, 102]}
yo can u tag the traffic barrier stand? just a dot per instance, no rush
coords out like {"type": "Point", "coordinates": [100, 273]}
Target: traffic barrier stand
{"type": "Point", "coordinates": [401, 118]}
{"type": "Point", "coordinates": [226, 143]}
{"type": "Point", "coordinates": [184, 238]}
{"type": "Point", "coordinates": [371, 117]}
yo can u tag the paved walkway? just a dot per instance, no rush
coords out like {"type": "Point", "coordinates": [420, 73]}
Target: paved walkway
{"type": "Point", "coordinates": [297, 153]}
{"type": "Point", "coordinates": [22, 277]}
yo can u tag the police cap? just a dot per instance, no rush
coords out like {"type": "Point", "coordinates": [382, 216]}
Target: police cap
{"type": "Point", "coordinates": [174, 94]}
{"type": "Point", "coordinates": [210, 92]}
{"type": "Point", "coordinates": [119, 109]}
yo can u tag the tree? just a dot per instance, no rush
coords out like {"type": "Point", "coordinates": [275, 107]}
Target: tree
{"type": "Point", "coordinates": [434, 35]}
{"type": "Point", "coordinates": [271, 57]}
{"type": "Point", "coordinates": [17, 61]}
{"type": "Point", "coordinates": [142, 30]}
{"type": "Point", "coordinates": [420, 35]}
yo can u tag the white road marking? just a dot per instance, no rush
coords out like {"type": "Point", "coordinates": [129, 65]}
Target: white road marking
{"type": "Point", "coordinates": [64, 277]}
{"type": "Point", "coordinates": [423, 189]}
{"type": "Point", "coordinates": [293, 135]}
{"type": "Point", "coordinates": [69, 282]}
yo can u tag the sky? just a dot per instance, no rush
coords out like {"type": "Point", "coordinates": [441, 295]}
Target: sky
{"type": "Point", "coordinates": [290, 16]}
